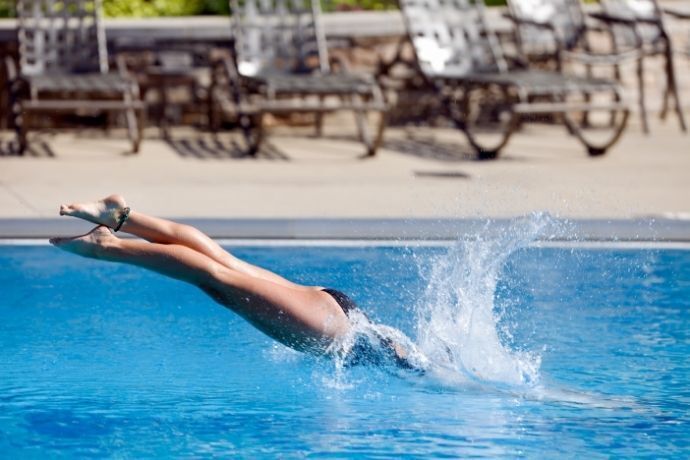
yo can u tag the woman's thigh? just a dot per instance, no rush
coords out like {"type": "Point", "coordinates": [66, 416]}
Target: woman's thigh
{"type": "Point", "coordinates": [290, 315]}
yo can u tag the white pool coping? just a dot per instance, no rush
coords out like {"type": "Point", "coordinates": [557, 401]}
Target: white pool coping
{"type": "Point", "coordinates": [296, 243]}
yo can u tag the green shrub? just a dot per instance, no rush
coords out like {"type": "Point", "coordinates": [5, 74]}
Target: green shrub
{"type": "Point", "coordinates": [6, 8]}
{"type": "Point", "coordinates": [147, 8]}
{"type": "Point", "coordinates": [153, 8]}
{"type": "Point", "coordinates": [216, 7]}
{"type": "Point", "coordinates": [356, 5]}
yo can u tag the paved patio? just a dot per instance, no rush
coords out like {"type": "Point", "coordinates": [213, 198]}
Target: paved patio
{"type": "Point", "coordinates": [420, 173]}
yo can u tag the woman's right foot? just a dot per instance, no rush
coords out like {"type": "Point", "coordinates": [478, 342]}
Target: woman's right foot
{"type": "Point", "coordinates": [107, 211]}
{"type": "Point", "coordinates": [90, 245]}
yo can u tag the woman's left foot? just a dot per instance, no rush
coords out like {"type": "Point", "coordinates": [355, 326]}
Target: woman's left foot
{"type": "Point", "coordinates": [108, 211]}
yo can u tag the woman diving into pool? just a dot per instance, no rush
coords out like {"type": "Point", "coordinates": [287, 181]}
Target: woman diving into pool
{"type": "Point", "coordinates": [310, 319]}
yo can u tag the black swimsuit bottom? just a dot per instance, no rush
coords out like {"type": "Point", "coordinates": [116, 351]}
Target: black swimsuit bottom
{"type": "Point", "coordinates": [345, 302]}
{"type": "Point", "coordinates": [363, 351]}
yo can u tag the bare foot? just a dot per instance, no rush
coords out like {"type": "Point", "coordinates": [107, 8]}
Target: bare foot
{"type": "Point", "coordinates": [90, 245]}
{"type": "Point", "coordinates": [104, 212]}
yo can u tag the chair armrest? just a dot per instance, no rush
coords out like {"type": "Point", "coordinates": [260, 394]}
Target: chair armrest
{"type": "Point", "coordinates": [521, 22]}
{"type": "Point", "coordinates": [613, 19]}
{"type": "Point", "coordinates": [648, 21]}
{"type": "Point", "coordinates": [630, 23]}
{"type": "Point", "coordinates": [677, 14]}
{"type": "Point", "coordinates": [527, 22]}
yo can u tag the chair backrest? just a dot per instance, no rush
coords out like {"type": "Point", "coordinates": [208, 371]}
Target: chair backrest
{"type": "Point", "coordinates": [61, 36]}
{"type": "Point", "coordinates": [450, 37]}
{"type": "Point", "coordinates": [632, 9]}
{"type": "Point", "coordinates": [566, 17]}
{"type": "Point", "coordinates": [278, 36]}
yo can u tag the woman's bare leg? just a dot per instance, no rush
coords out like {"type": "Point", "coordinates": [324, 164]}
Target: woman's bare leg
{"type": "Point", "coordinates": [109, 210]}
{"type": "Point", "coordinates": [301, 318]}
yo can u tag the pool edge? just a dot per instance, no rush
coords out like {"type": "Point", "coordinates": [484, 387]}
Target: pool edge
{"type": "Point", "coordinates": [368, 229]}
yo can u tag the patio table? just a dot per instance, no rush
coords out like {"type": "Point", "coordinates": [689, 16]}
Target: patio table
{"type": "Point", "coordinates": [173, 63]}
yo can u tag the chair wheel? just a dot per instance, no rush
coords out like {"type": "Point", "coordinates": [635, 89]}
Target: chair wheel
{"type": "Point", "coordinates": [596, 151]}
{"type": "Point", "coordinates": [487, 154]}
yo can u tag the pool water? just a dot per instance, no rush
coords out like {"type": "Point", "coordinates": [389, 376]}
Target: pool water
{"type": "Point", "coordinates": [535, 351]}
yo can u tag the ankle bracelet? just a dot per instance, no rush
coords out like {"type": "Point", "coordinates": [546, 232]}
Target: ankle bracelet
{"type": "Point", "coordinates": [123, 218]}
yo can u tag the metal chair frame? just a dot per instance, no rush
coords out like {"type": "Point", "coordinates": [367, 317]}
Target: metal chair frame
{"type": "Point", "coordinates": [459, 57]}
{"type": "Point", "coordinates": [640, 24]}
{"type": "Point", "coordinates": [543, 28]}
{"type": "Point", "coordinates": [558, 30]}
{"type": "Point", "coordinates": [280, 65]}
{"type": "Point", "coordinates": [682, 14]}
{"type": "Point", "coordinates": [63, 67]}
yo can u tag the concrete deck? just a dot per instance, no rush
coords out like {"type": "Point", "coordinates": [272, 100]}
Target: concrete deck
{"type": "Point", "coordinates": [423, 173]}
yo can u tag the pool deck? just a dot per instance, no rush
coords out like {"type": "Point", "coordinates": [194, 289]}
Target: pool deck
{"type": "Point", "coordinates": [423, 184]}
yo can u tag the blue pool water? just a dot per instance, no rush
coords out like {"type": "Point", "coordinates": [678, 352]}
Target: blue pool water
{"type": "Point", "coordinates": [537, 351]}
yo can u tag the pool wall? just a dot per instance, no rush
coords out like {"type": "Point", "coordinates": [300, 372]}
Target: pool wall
{"type": "Point", "coordinates": [643, 229]}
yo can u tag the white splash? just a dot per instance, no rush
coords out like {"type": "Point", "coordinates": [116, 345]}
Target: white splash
{"type": "Point", "coordinates": [456, 323]}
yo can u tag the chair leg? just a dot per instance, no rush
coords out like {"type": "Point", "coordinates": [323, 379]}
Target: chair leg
{"type": "Point", "coordinates": [378, 138]}
{"type": "Point", "coordinates": [641, 96]}
{"type": "Point", "coordinates": [132, 128]}
{"type": "Point", "coordinates": [108, 123]}
{"type": "Point", "coordinates": [21, 126]}
{"type": "Point", "coordinates": [673, 89]}
{"type": "Point", "coordinates": [253, 130]}
{"type": "Point", "coordinates": [618, 78]}
{"type": "Point", "coordinates": [588, 96]}
{"type": "Point", "coordinates": [319, 120]}
{"type": "Point", "coordinates": [362, 128]}
{"type": "Point", "coordinates": [664, 107]}
{"type": "Point", "coordinates": [212, 113]}
{"type": "Point", "coordinates": [318, 125]}
{"type": "Point", "coordinates": [163, 117]}
{"type": "Point", "coordinates": [362, 123]}
{"type": "Point", "coordinates": [141, 124]}
{"type": "Point", "coordinates": [22, 140]}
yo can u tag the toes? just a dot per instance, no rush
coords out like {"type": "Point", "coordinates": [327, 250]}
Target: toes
{"type": "Point", "coordinates": [66, 210]}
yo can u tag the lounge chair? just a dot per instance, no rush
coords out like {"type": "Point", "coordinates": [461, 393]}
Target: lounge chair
{"type": "Point", "coordinates": [459, 56]}
{"type": "Point", "coordinates": [683, 14]}
{"type": "Point", "coordinates": [63, 67]}
{"type": "Point", "coordinates": [640, 23]}
{"type": "Point", "coordinates": [558, 32]}
{"type": "Point", "coordinates": [544, 28]}
{"type": "Point", "coordinates": [280, 65]}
